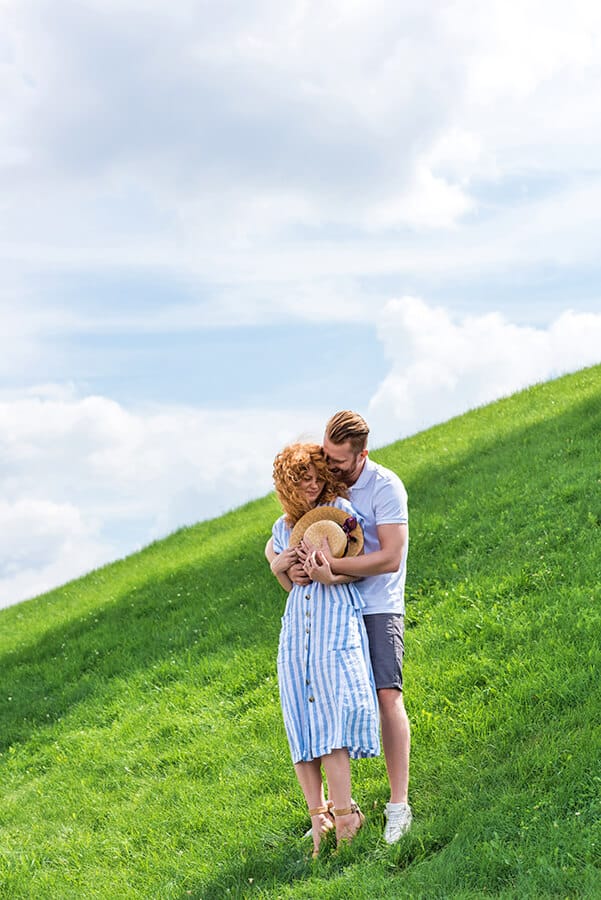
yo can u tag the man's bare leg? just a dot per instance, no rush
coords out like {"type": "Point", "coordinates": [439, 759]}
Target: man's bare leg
{"type": "Point", "coordinates": [396, 739]}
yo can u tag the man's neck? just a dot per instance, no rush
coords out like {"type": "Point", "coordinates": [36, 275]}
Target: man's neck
{"type": "Point", "coordinates": [358, 475]}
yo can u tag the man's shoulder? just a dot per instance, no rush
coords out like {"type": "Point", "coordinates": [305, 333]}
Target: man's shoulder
{"type": "Point", "coordinates": [384, 476]}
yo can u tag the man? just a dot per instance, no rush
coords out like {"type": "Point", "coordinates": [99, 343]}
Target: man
{"type": "Point", "coordinates": [379, 496]}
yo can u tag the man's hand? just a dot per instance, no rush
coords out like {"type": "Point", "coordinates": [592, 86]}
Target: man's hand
{"type": "Point", "coordinates": [297, 574]}
{"type": "Point", "coordinates": [325, 551]}
{"type": "Point", "coordinates": [318, 568]}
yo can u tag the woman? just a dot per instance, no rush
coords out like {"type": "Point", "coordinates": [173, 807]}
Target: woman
{"type": "Point", "coordinates": [326, 684]}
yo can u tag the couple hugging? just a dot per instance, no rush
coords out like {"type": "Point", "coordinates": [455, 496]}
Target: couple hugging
{"type": "Point", "coordinates": [340, 551]}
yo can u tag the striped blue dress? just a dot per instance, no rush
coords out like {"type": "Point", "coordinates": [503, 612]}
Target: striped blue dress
{"type": "Point", "coordinates": [326, 683]}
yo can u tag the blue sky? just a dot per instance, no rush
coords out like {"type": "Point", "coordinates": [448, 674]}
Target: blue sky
{"type": "Point", "coordinates": [223, 222]}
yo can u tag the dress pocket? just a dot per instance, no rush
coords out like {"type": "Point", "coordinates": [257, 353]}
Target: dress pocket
{"type": "Point", "coordinates": [345, 635]}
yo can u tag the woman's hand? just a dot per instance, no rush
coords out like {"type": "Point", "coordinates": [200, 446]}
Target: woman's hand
{"type": "Point", "coordinates": [284, 561]}
{"type": "Point", "coordinates": [297, 572]}
{"type": "Point", "coordinates": [303, 550]}
{"type": "Point", "coordinates": [318, 568]}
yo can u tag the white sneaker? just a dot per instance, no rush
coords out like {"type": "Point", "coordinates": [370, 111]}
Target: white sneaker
{"type": "Point", "coordinates": [398, 821]}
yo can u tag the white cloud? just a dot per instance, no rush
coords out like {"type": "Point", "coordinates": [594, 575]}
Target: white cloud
{"type": "Point", "coordinates": [276, 148]}
{"type": "Point", "coordinates": [442, 366]}
{"type": "Point", "coordinates": [518, 48]}
{"type": "Point", "coordinates": [431, 202]}
{"type": "Point", "coordinates": [181, 129]}
{"type": "Point", "coordinates": [85, 481]}
{"type": "Point", "coordinates": [43, 545]}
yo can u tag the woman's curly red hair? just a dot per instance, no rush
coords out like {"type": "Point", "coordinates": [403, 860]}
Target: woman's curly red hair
{"type": "Point", "coordinates": [290, 467]}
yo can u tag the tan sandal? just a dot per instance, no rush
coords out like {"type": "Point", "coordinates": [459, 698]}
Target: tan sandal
{"type": "Point", "coordinates": [329, 808]}
{"type": "Point", "coordinates": [346, 834]}
{"type": "Point", "coordinates": [326, 825]}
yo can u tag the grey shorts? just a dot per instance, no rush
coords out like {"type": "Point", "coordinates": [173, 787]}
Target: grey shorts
{"type": "Point", "coordinates": [386, 648]}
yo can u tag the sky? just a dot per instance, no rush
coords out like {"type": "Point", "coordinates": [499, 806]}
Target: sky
{"type": "Point", "coordinates": [222, 222]}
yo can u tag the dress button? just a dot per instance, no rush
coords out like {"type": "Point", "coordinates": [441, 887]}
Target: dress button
{"type": "Point", "coordinates": [307, 681]}
{"type": "Point", "coordinates": [308, 615]}
{"type": "Point", "coordinates": [311, 699]}
{"type": "Point", "coordinates": [307, 596]}
{"type": "Point", "coordinates": [307, 630]}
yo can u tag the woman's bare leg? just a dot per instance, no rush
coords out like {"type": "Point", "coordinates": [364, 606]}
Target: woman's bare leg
{"type": "Point", "coordinates": [311, 782]}
{"type": "Point", "coordinates": [338, 772]}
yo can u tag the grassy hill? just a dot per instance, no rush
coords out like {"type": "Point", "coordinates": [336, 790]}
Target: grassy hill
{"type": "Point", "coordinates": [142, 753]}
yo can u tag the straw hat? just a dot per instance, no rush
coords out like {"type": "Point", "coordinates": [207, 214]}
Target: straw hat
{"type": "Point", "coordinates": [344, 534]}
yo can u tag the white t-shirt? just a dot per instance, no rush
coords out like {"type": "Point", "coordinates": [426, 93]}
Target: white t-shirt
{"type": "Point", "coordinates": [379, 496]}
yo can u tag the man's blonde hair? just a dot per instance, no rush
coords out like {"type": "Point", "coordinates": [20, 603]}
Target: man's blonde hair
{"type": "Point", "coordinates": [348, 426]}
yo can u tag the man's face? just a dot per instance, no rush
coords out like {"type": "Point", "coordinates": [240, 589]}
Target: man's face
{"type": "Point", "coordinates": [343, 461]}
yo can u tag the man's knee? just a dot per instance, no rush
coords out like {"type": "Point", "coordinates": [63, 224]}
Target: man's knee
{"type": "Point", "coordinates": [390, 699]}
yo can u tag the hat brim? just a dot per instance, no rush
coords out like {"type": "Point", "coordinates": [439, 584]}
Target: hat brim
{"type": "Point", "coordinates": [331, 513]}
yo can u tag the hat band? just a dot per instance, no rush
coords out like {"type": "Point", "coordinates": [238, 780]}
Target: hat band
{"type": "Point", "coordinates": [347, 526]}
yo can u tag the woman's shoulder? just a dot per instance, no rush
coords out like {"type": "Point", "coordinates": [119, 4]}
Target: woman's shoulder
{"type": "Point", "coordinates": [346, 505]}
{"type": "Point", "coordinates": [280, 532]}
{"type": "Point", "coordinates": [280, 524]}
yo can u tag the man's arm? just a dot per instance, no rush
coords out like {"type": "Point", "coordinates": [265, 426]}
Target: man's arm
{"type": "Point", "coordinates": [393, 540]}
{"type": "Point", "coordinates": [270, 553]}
{"type": "Point", "coordinates": [279, 562]}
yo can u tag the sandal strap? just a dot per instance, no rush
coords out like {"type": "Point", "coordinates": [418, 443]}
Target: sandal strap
{"type": "Point", "coordinates": [329, 806]}
{"type": "Point", "coordinates": [347, 810]}
{"type": "Point", "coordinates": [318, 810]}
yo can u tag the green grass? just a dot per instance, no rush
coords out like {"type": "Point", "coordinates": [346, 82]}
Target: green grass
{"type": "Point", "coordinates": [142, 753]}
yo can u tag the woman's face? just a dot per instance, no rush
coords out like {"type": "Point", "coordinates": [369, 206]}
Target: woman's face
{"type": "Point", "coordinates": [311, 486]}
